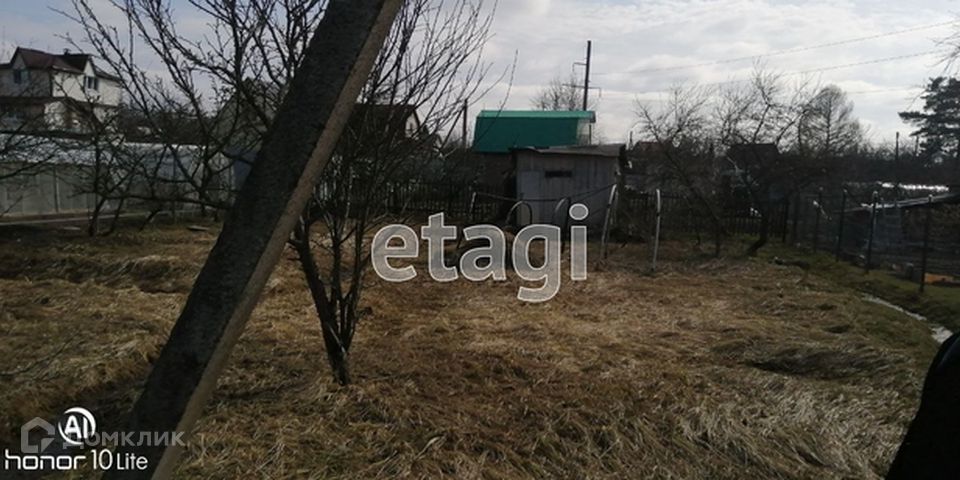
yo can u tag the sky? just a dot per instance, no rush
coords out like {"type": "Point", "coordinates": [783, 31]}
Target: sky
{"type": "Point", "coordinates": [638, 46]}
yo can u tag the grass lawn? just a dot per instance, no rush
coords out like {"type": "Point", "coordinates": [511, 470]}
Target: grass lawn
{"type": "Point", "coordinates": [730, 368]}
{"type": "Point", "coordinates": [939, 304]}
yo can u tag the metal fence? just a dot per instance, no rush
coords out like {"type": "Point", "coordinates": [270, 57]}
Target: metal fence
{"type": "Point", "coordinates": [918, 238]}
{"type": "Point", "coordinates": [416, 197]}
{"type": "Point", "coordinates": [683, 215]}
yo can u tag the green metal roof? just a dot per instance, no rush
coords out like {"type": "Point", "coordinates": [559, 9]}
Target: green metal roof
{"type": "Point", "coordinates": [580, 114]}
{"type": "Point", "coordinates": [497, 131]}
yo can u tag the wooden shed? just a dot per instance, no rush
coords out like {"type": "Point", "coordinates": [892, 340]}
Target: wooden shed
{"type": "Point", "coordinates": [497, 132]}
{"type": "Point", "coordinates": [582, 174]}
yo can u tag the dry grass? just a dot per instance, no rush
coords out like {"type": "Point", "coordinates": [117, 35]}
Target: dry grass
{"type": "Point", "coordinates": [726, 368]}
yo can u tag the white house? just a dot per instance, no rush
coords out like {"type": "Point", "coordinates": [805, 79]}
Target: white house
{"type": "Point", "coordinates": [45, 91]}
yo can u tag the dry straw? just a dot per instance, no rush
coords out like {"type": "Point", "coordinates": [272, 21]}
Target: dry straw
{"type": "Point", "coordinates": [728, 368]}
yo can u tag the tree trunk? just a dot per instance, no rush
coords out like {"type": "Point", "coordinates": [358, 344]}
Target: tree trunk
{"type": "Point", "coordinates": [339, 362]}
{"type": "Point", "coordinates": [153, 213]}
{"type": "Point", "coordinates": [337, 353]}
{"type": "Point", "coordinates": [115, 222]}
{"type": "Point", "coordinates": [764, 233]}
{"type": "Point", "coordinates": [717, 238]}
{"type": "Point", "coordinates": [93, 227]}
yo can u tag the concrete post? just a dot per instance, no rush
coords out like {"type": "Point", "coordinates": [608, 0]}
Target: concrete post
{"type": "Point", "coordinates": [320, 98]}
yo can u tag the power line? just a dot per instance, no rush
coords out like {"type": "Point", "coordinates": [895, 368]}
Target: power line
{"type": "Point", "coordinates": [884, 90]}
{"type": "Point", "coordinates": [837, 67]}
{"type": "Point", "coordinates": [787, 51]}
{"type": "Point", "coordinates": [815, 70]}
{"type": "Point", "coordinates": [850, 92]}
{"type": "Point", "coordinates": [870, 62]}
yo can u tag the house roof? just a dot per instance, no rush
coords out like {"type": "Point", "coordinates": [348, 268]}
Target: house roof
{"type": "Point", "coordinates": [920, 202]}
{"type": "Point", "coordinates": [370, 119]}
{"type": "Point", "coordinates": [578, 114]}
{"type": "Point", "coordinates": [40, 60]}
{"type": "Point", "coordinates": [645, 149]}
{"type": "Point", "coordinates": [497, 131]}
{"type": "Point", "coordinates": [67, 62]}
{"type": "Point", "coordinates": [753, 151]}
{"type": "Point", "coordinates": [608, 150]}
{"type": "Point", "coordinates": [381, 116]}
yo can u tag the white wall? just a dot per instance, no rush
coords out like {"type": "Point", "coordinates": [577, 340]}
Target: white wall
{"type": "Point", "coordinates": [49, 192]}
{"type": "Point", "coordinates": [46, 83]}
{"type": "Point", "coordinates": [61, 173]}
{"type": "Point", "coordinates": [71, 85]}
{"type": "Point", "coordinates": [37, 83]}
{"type": "Point", "coordinates": [412, 125]}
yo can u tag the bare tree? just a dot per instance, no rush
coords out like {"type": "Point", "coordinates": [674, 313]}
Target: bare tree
{"type": "Point", "coordinates": [430, 65]}
{"type": "Point", "coordinates": [101, 165]}
{"type": "Point", "coordinates": [186, 102]}
{"type": "Point", "coordinates": [679, 128]}
{"type": "Point", "coordinates": [776, 139]}
{"type": "Point", "coordinates": [828, 128]}
{"type": "Point", "coordinates": [102, 173]}
{"type": "Point", "coordinates": [758, 123]}
{"type": "Point", "coordinates": [559, 95]}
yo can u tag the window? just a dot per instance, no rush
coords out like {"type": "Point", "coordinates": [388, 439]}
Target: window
{"type": "Point", "coordinates": [558, 174]}
{"type": "Point", "coordinates": [91, 83]}
{"type": "Point", "coordinates": [19, 76]}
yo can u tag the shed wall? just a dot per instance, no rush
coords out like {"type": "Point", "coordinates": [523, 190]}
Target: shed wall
{"type": "Point", "coordinates": [585, 179]}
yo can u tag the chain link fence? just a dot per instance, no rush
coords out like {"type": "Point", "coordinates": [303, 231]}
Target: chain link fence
{"type": "Point", "coordinates": [919, 238]}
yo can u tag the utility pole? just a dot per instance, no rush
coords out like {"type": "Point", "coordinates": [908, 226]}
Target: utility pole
{"type": "Point", "coordinates": [586, 81]}
{"type": "Point", "coordinates": [586, 77]}
{"type": "Point", "coordinates": [463, 130]}
{"type": "Point", "coordinates": [896, 167]}
{"type": "Point", "coordinates": [896, 151]}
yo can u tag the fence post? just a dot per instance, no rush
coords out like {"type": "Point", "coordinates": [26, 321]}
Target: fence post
{"type": "Point", "coordinates": [926, 244]}
{"type": "Point", "coordinates": [451, 195]}
{"type": "Point", "coordinates": [644, 210]}
{"type": "Point", "coordinates": [843, 206]}
{"type": "Point", "coordinates": [873, 226]}
{"type": "Point", "coordinates": [786, 219]}
{"type": "Point", "coordinates": [796, 218]}
{"type": "Point", "coordinates": [816, 222]}
{"type": "Point", "coordinates": [473, 205]}
{"type": "Point", "coordinates": [656, 233]}
{"type": "Point", "coordinates": [56, 189]}
{"type": "Point", "coordinates": [606, 221]}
